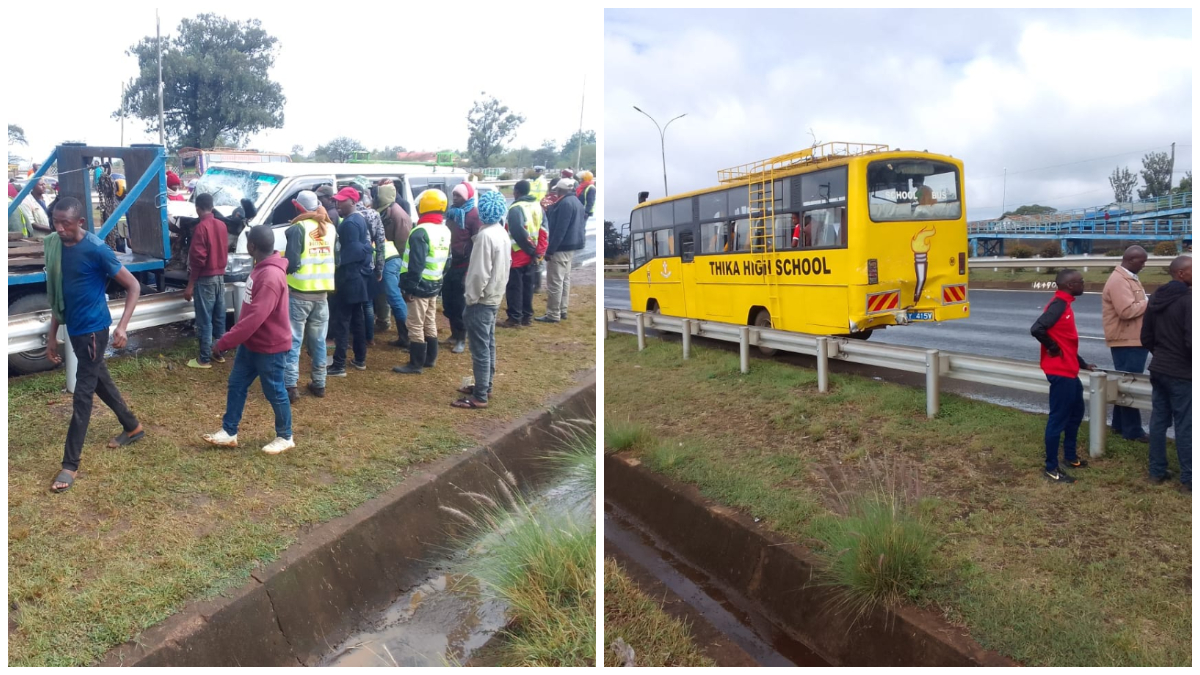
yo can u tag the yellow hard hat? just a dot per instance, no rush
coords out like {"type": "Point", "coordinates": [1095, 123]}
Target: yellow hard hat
{"type": "Point", "coordinates": [585, 176]}
{"type": "Point", "coordinates": [431, 201]}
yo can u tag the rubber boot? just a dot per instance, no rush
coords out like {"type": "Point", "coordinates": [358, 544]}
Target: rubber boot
{"type": "Point", "coordinates": [416, 359]}
{"type": "Point", "coordinates": [402, 342]}
{"type": "Point", "coordinates": [431, 351]}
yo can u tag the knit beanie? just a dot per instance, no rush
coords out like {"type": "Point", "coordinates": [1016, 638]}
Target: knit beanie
{"type": "Point", "coordinates": [492, 207]}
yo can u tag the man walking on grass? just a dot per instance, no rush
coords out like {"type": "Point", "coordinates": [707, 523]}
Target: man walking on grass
{"type": "Point", "coordinates": [567, 231]}
{"type": "Point", "coordinates": [78, 267]}
{"type": "Point", "coordinates": [487, 277]}
{"type": "Point", "coordinates": [1123, 304]}
{"type": "Point", "coordinates": [310, 270]}
{"type": "Point", "coordinates": [1061, 363]}
{"type": "Point", "coordinates": [1167, 333]}
{"type": "Point", "coordinates": [263, 337]}
{"type": "Point", "coordinates": [206, 280]}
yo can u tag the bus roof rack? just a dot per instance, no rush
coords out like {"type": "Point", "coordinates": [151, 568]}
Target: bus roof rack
{"type": "Point", "coordinates": [817, 153]}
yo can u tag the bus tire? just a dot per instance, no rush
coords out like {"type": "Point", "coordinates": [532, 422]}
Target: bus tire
{"type": "Point", "coordinates": [652, 307]}
{"type": "Point", "coordinates": [862, 334]}
{"type": "Point", "coordinates": [763, 320]}
{"type": "Point", "coordinates": [27, 363]}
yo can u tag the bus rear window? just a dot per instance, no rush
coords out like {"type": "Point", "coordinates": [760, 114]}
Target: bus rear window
{"type": "Point", "coordinates": [913, 189]}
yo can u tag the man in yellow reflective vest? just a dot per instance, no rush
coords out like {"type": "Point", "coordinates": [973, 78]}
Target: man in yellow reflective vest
{"type": "Point", "coordinates": [538, 186]}
{"type": "Point", "coordinates": [310, 271]}
{"type": "Point", "coordinates": [529, 243]}
{"type": "Point", "coordinates": [422, 269]}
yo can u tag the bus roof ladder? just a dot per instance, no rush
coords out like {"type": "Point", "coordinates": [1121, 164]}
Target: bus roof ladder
{"type": "Point", "coordinates": [815, 154]}
{"type": "Point", "coordinates": [762, 234]}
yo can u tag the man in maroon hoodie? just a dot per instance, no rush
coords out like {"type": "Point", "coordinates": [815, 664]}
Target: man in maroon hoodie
{"type": "Point", "coordinates": [263, 336]}
{"type": "Point", "coordinates": [206, 280]}
{"type": "Point", "coordinates": [1061, 362]}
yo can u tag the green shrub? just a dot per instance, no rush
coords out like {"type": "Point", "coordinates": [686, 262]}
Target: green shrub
{"type": "Point", "coordinates": [1021, 251]}
{"type": "Point", "coordinates": [621, 436]}
{"type": "Point", "coordinates": [1166, 248]}
{"type": "Point", "coordinates": [505, 176]}
{"type": "Point", "coordinates": [1113, 252]}
{"type": "Point", "coordinates": [1051, 250]}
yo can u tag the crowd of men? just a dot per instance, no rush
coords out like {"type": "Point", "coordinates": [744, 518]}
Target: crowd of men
{"type": "Point", "coordinates": [343, 248]}
{"type": "Point", "coordinates": [1136, 327]}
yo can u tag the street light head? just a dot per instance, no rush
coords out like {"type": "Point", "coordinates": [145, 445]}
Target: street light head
{"type": "Point", "coordinates": [639, 110]}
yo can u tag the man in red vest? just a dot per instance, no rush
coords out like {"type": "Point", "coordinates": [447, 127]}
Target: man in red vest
{"type": "Point", "coordinates": [1061, 362]}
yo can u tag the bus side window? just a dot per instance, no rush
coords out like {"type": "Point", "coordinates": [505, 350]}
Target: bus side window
{"type": "Point", "coordinates": [740, 234]}
{"type": "Point", "coordinates": [663, 243]}
{"type": "Point", "coordinates": [639, 252]}
{"type": "Point", "coordinates": [712, 238]}
{"type": "Point", "coordinates": [828, 227]}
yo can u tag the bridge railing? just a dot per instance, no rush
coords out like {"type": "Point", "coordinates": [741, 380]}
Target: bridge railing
{"type": "Point", "coordinates": [1100, 388]}
{"type": "Point", "coordinates": [1157, 227]}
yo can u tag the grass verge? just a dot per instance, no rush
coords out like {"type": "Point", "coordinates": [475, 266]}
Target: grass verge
{"type": "Point", "coordinates": [168, 520]}
{"type": "Point", "coordinates": [1096, 573]}
{"type": "Point", "coordinates": [657, 638]}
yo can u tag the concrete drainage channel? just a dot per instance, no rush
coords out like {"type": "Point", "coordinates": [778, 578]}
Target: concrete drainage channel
{"type": "Point", "coordinates": [750, 585]}
{"type": "Point", "coordinates": [382, 565]}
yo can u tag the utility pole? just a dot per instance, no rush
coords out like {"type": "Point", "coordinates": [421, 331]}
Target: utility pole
{"type": "Point", "coordinates": [579, 152]}
{"type": "Point", "coordinates": [158, 43]}
{"type": "Point", "coordinates": [123, 114]}
{"type": "Point", "coordinates": [1171, 174]}
{"type": "Point", "coordinates": [1003, 192]}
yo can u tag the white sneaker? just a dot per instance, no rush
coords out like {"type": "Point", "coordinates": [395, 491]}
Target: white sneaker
{"type": "Point", "coordinates": [279, 445]}
{"type": "Point", "coordinates": [221, 438]}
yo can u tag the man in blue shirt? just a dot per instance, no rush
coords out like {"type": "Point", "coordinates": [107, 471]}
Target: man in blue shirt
{"type": "Point", "coordinates": [86, 266]}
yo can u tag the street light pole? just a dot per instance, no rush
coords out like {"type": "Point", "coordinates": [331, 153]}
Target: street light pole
{"type": "Point", "coordinates": [662, 137]}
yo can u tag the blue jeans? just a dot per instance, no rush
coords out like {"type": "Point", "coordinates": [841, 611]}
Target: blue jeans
{"type": "Point", "coordinates": [1172, 399]}
{"type": "Point", "coordinates": [247, 366]}
{"type": "Point", "coordinates": [480, 323]}
{"type": "Point", "coordinates": [391, 284]}
{"type": "Point", "coordinates": [1066, 414]}
{"type": "Point", "coordinates": [310, 325]}
{"type": "Point", "coordinates": [1128, 421]}
{"type": "Point", "coordinates": [208, 297]}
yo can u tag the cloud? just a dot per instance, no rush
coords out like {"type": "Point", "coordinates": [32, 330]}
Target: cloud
{"type": "Point", "coordinates": [1025, 91]}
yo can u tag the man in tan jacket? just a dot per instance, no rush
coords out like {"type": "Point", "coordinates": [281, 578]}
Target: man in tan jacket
{"type": "Point", "coordinates": [1122, 306]}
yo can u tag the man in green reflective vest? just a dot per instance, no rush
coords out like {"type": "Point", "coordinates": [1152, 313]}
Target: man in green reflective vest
{"type": "Point", "coordinates": [422, 269]}
{"type": "Point", "coordinates": [310, 273]}
{"type": "Point", "coordinates": [538, 186]}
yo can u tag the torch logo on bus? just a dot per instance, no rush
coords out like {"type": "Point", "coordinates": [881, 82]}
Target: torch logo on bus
{"type": "Point", "coordinates": [920, 247]}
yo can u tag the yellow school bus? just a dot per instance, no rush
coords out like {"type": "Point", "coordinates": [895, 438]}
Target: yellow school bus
{"type": "Point", "coordinates": [838, 239]}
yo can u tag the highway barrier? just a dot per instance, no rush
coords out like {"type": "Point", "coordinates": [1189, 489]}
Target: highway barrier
{"type": "Point", "coordinates": [1100, 388]}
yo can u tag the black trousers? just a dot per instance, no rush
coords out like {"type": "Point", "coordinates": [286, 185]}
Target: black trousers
{"type": "Point", "coordinates": [519, 293]}
{"type": "Point", "coordinates": [348, 323]}
{"type": "Point", "coordinates": [454, 300]}
{"type": "Point", "coordinates": [92, 379]}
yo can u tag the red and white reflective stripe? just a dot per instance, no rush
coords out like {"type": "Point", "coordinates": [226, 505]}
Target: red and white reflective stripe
{"type": "Point", "coordinates": [954, 294]}
{"type": "Point", "coordinates": [882, 302]}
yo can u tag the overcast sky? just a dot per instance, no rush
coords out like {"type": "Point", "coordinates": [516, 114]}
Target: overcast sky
{"type": "Point", "coordinates": [446, 55]}
{"type": "Point", "coordinates": [1059, 98]}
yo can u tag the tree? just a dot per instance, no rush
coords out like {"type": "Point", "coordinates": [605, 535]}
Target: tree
{"type": "Point", "coordinates": [16, 135]}
{"type": "Point", "coordinates": [546, 155]}
{"type": "Point", "coordinates": [339, 149]}
{"type": "Point", "coordinates": [1122, 181]}
{"type": "Point", "coordinates": [1030, 210]}
{"type": "Point", "coordinates": [1156, 174]}
{"type": "Point", "coordinates": [1185, 184]}
{"type": "Point", "coordinates": [614, 243]}
{"type": "Point", "coordinates": [215, 82]}
{"type": "Point", "coordinates": [491, 125]}
{"type": "Point", "coordinates": [298, 153]}
{"type": "Point", "coordinates": [570, 150]}
{"type": "Point", "coordinates": [388, 152]}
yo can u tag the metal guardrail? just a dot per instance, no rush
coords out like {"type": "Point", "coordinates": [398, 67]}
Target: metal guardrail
{"type": "Point", "coordinates": [30, 331]}
{"type": "Point", "coordinates": [1100, 388]}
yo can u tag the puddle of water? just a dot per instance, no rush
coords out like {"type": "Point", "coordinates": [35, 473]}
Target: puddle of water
{"type": "Point", "coordinates": [757, 636]}
{"type": "Point", "coordinates": [442, 622]}
{"type": "Point", "coordinates": [448, 617]}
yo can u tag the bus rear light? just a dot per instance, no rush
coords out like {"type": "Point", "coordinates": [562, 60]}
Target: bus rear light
{"type": "Point", "coordinates": [962, 264]}
{"type": "Point", "coordinates": [872, 272]}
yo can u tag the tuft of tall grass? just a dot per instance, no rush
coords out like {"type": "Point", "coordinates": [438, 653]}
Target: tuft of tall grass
{"type": "Point", "coordinates": [879, 549]}
{"type": "Point", "coordinates": [575, 460]}
{"type": "Point", "coordinates": [620, 436]}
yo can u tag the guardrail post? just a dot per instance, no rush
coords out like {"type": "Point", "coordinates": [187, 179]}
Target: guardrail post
{"type": "Point", "coordinates": [239, 294]}
{"type": "Point", "coordinates": [687, 339]}
{"type": "Point", "coordinates": [933, 383]}
{"type": "Point", "coordinates": [823, 364]}
{"type": "Point", "coordinates": [609, 317]}
{"type": "Point", "coordinates": [744, 348]}
{"type": "Point", "coordinates": [1097, 412]}
{"type": "Point", "coordinates": [641, 331]}
{"type": "Point", "coordinates": [72, 363]}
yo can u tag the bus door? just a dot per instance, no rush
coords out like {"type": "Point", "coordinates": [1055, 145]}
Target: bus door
{"type": "Point", "coordinates": [663, 274]}
{"type": "Point", "coordinates": [685, 240]}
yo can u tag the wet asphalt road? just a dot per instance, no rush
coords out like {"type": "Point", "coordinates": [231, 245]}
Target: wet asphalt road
{"type": "Point", "coordinates": [998, 326]}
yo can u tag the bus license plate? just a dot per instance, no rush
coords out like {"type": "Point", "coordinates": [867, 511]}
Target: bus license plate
{"type": "Point", "coordinates": [920, 316]}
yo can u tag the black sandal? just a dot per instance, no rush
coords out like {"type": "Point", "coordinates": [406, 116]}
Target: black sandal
{"type": "Point", "coordinates": [124, 438]}
{"type": "Point", "coordinates": [469, 403]}
{"type": "Point", "coordinates": [63, 476]}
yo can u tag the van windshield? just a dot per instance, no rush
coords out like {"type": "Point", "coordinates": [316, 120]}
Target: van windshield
{"type": "Point", "coordinates": [229, 186]}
